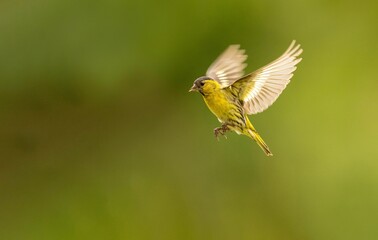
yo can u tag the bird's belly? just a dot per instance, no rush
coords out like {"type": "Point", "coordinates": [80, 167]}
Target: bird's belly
{"type": "Point", "coordinates": [220, 107]}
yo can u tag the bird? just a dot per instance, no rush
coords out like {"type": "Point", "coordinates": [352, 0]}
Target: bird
{"type": "Point", "coordinates": [231, 96]}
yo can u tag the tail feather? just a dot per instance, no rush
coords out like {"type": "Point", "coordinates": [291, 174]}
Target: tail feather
{"type": "Point", "coordinates": [254, 135]}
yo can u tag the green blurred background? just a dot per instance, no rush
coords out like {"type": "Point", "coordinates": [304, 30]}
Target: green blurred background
{"type": "Point", "coordinates": [100, 139]}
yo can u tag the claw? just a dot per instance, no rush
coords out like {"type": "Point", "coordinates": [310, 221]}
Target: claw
{"type": "Point", "coordinates": [217, 131]}
{"type": "Point", "coordinates": [221, 130]}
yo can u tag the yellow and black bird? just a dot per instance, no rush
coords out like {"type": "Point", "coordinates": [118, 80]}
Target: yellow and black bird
{"type": "Point", "coordinates": [232, 96]}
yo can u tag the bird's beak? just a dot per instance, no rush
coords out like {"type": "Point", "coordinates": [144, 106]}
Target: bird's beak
{"type": "Point", "coordinates": [193, 89]}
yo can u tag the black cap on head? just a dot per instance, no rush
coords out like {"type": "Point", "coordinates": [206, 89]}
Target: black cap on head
{"type": "Point", "coordinates": [199, 81]}
{"type": "Point", "coordinates": [198, 84]}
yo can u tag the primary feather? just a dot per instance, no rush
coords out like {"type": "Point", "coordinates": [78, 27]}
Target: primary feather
{"type": "Point", "coordinates": [259, 89]}
{"type": "Point", "coordinates": [228, 67]}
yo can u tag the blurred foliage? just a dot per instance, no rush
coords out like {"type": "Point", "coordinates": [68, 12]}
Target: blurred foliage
{"type": "Point", "coordinates": [99, 138]}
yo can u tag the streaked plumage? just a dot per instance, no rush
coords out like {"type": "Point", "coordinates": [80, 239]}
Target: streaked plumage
{"type": "Point", "coordinates": [231, 96]}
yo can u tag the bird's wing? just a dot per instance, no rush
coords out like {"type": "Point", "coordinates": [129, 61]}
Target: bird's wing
{"type": "Point", "coordinates": [228, 67]}
{"type": "Point", "coordinates": [259, 89]}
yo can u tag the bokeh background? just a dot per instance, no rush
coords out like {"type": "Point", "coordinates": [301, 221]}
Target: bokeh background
{"type": "Point", "coordinates": [100, 139]}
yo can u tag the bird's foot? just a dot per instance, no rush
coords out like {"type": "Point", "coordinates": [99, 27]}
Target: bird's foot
{"type": "Point", "coordinates": [221, 131]}
{"type": "Point", "coordinates": [218, 131]}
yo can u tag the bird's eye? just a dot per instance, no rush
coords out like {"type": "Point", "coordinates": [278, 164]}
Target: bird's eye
{"type": "Point", "coordinates": [202, 83]}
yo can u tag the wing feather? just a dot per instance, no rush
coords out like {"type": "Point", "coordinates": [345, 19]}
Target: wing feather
{"type": "Point", "coordinates": [228, 67]}
{"type": "Point", "coordinates": [261, 88]}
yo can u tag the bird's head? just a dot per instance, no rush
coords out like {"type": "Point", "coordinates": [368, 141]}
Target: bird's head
{"type": "Point", "coordinates": [203, 84]}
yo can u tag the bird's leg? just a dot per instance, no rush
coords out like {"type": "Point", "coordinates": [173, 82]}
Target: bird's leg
{"type": "Point", "coordinates": [217, 131]}
{"type": "Point", "coordinates": [224, 129]}
{"type": "Point", "coordinates": [221, 130]}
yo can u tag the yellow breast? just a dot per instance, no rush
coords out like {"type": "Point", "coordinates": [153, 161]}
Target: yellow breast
{"type": "Point", "coordinates": [219, 105]}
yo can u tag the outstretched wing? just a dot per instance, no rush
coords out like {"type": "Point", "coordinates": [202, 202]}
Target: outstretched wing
{"type": "Point", "coordinates": [259, 89]}
{"type": "Point", "coordinates": [228, 67]}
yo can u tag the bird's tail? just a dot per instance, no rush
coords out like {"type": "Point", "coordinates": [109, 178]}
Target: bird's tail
{"type": "Point", "coordinates": [255, 136]}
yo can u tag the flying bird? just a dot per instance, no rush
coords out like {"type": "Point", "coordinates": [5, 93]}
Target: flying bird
{"type": "Point", "coordinates": [231, 96]}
